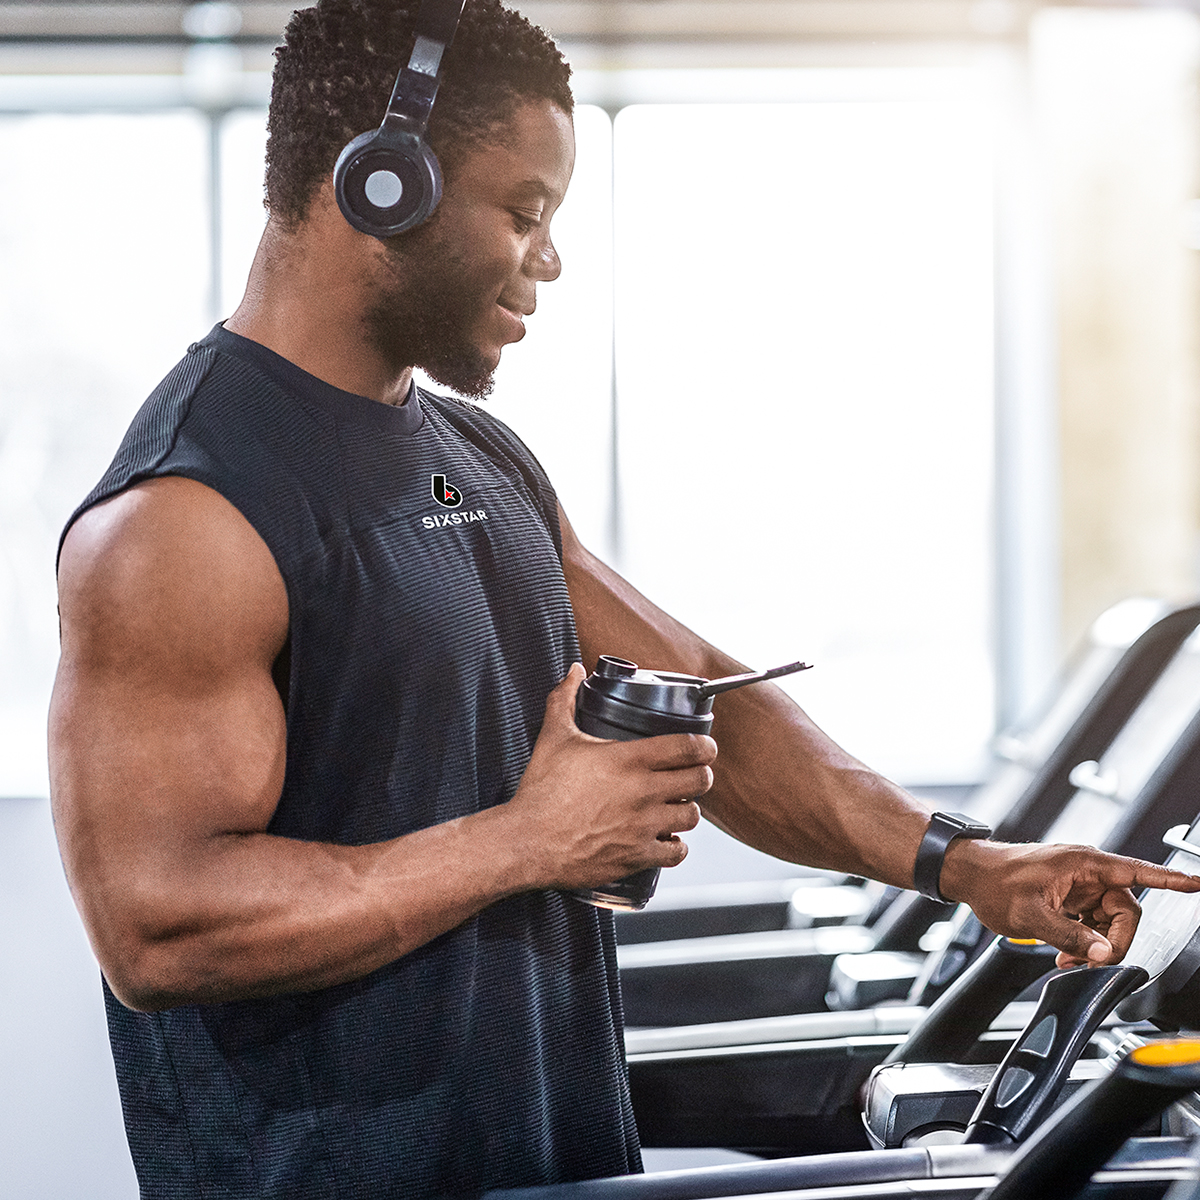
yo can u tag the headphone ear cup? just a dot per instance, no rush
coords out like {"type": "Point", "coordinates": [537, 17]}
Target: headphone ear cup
{"type": "Point", "coordinates": [387, 181]}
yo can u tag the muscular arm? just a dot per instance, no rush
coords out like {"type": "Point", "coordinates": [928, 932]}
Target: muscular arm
{"type": "Point", "coordinates": [167, 742]}
{"type": "Point", "coordinates": [782, 786]}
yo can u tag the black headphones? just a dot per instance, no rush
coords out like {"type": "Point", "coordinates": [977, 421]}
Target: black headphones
{"type": "Point", "coordinates": [387, 180]}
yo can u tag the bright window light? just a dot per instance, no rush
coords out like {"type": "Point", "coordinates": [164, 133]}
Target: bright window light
{"type": "Point", "coordinates": [804, 375]}
{"type": "Point", "coordinates": [804, 369]}
{"type": "Point", "coordinates": [103, 287]}
{"type": "Point", "coordinates": [555, 386]}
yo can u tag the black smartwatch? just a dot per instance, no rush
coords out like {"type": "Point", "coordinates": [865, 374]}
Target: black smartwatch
{"type": "Point", "coordinates": [943, 829]}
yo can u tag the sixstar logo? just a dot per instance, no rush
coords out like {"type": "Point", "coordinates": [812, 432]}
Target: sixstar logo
{"type": "Point", "coordinates": [446, 494]}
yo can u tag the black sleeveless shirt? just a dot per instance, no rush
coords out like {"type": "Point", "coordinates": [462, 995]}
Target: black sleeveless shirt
{"type": "Point", "coordinates": [429, 619]}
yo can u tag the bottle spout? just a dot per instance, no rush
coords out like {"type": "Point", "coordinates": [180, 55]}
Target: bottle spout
{"type": "Point", "coordinates": [714, 686]}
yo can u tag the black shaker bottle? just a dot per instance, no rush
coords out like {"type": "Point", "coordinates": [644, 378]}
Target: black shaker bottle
{"type": "Point", "coordinates": [621, 702]}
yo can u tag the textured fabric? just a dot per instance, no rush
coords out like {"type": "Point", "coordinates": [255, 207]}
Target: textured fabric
{"type": "Point", "coordinates": [423, 642]}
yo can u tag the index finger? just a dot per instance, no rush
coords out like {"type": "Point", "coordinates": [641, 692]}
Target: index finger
{"type": "Point", "coordinates": [671, 751]}
{"type": "Point", "coordinates": [1136, 873]}
{"type": "Point", "coordinates": [1149, 876]}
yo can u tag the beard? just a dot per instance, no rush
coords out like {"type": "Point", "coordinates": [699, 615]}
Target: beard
{"type": "Point", "coordinates": [423, 312]}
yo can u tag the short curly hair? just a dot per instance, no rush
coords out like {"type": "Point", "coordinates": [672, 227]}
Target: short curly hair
{"type": "Point", "coordinates": [336, 67]}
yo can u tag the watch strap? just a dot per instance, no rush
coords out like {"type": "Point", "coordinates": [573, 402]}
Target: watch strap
{"type": "Point", "coordinates": [943, 829]}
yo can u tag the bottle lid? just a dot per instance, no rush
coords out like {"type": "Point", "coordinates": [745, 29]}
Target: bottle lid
{"type": "Point", "coordinates": [620, 680]}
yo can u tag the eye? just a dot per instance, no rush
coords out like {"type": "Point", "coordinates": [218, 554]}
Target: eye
{"type": "Point", "coordinates": [525, 222]}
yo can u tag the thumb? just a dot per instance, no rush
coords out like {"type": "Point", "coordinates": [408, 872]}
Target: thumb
{"type": "Point", "coordinates": [560, 704]}
{"type": "Point", "coordinates": [1080, 944]}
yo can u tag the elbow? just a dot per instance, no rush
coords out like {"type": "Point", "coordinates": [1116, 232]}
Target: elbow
{"type": "Point", "coordinates": [149, 963]}
{"type": "Point", "coordinates": [156, 966]}
{"type": "Point", "coordinates": [139, 999]}
{"type": "Point", "coordinates": [141, 976]}
{"type": "Point", "coordinates": [151, 933]}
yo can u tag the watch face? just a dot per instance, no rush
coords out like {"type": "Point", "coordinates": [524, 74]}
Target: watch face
{"type": "Point", "coordinates": [964, 824]}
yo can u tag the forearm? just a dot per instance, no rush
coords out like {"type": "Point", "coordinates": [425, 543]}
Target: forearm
{"type": "Point", "coordinates": [235, 916]}
{"type": "Point", "coordinates": [782, 786]}
{"type": "Point", "coordinates": [188, 900]}
{"type": "Point", "coordinates": [162, 802]}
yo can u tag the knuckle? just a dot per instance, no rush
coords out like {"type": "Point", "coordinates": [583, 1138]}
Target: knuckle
{"type": "Point", "coordinates": [1074, 941]}
{"type": "Point", "coordinates": [698, 747]}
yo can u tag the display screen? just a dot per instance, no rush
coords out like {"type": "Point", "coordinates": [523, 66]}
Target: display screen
{"type": "Point", "coordinates": [1168, 919]}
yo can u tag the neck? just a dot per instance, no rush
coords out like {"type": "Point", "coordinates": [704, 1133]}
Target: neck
{"type": "Point", "coordinates": [304, 300]}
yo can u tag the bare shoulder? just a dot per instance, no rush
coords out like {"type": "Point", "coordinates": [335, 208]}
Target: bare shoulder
{"type": "Point", "coordinates": [169, 568]}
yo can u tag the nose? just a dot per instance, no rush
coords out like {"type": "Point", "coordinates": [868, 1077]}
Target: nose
{"type": "Point", "coordinates": [542, 262]}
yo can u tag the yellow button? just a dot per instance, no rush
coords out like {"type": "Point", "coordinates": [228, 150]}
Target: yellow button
{"type": "Point", "coordinates": [1172, 1053]}
{"type": "Point", "coordinates": [1025, 941]}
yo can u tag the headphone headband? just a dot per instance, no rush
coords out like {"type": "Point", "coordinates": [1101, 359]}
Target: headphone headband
{"type": "Point", "coordinates": [437, 21]}
{"type": "Point", "coordinates": [417, 83]}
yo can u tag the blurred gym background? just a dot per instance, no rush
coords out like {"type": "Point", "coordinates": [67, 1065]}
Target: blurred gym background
{"type": "Point", "coordinates": [876, 344]}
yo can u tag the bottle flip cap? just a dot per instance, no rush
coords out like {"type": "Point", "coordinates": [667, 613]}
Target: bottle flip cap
{"type": "Point", "coordinates": [715, 686]}
{"type": "Point", "coordinates": [620, 680]}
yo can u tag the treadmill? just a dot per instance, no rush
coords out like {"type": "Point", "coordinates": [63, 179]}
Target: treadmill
{"type": "Point", "coordinates": [789, 1084]}
{"type": "Point", "coordinates": [670, 977]}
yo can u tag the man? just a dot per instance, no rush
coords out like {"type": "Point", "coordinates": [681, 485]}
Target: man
{"type": "Point", "coordinates": [315, 807]}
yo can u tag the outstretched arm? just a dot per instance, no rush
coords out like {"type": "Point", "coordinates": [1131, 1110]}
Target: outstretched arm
{"type": "Point", "coordinates": [168, 746]}
{"type": "Point", "coordinates": [781, 785]}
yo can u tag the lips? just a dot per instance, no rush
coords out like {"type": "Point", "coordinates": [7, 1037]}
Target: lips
{"type": "Point", "coordinates": [516, 318]}
{"type": "Point", "coordinates": [518, 310]}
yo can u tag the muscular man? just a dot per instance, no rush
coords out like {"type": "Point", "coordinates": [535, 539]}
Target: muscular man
{"type": "Point", "coordinates": [315, 807]}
